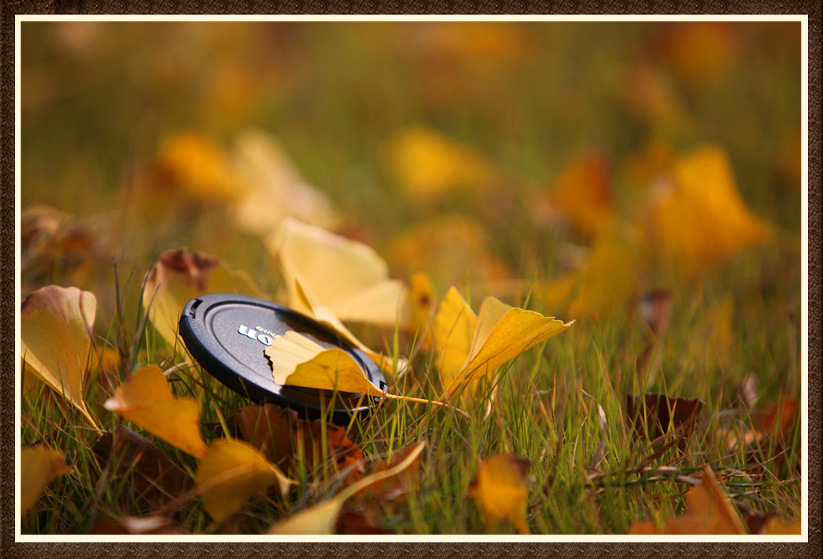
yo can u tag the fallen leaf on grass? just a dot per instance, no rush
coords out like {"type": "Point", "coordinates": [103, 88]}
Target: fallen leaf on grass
{"type": "Point", "coordinates": [498, 334]}
{"type": "Point", "coordinates": [709, 512]}
{"type": "Point", "coordinates": [347, 278]}
{"type": "Point", "coordinates": [358, 522]}
{"type": "Point", "coordinates": [696, 217]}
{"type": "Point", "coordinates": [654, 415]}
{"type": "Point", "coordinates": [154, 479]}
{"type": "Point", "coordinates": [502, 489]}
{"type": "Point", "coordinates": [281, 434]}
{"type": "Point", "coordinates": [429, 165]}
{"type": "Point", "coordinates": [135, 526]}
{"type": "Point", "coordinates": [321, 519]}
{"type": "Point", "coordinates": [582, 196]}
{"type": "Point", "coordinates": [39, 466]}
{"type": "Point", "coordinates": [179, 276]}
{"type": "Point", "coordinates": [230, 472]}
{"type": "Point", "coordinates": [55, 339]}
{"type": "Point", "coordinates": [656, 310]}
{"type": "Point", "coordinates": [146, 400]}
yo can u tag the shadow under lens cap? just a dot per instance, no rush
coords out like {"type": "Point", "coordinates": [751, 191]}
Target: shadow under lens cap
{"type": "Point", "coordinates": [228, 335]}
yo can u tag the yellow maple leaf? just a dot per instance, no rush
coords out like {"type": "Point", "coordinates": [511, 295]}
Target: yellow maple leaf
{"type": "Point", "coordinates": [38, 467]}
{"type": "Point", "coordinates": [146, 400]}
{"type": "Point", "coordinates": [230, 472]}
{"type": "Point", "coordinates": [695, 216]}
{"type": "Point", "coordinates": [55, 340]}
{"type": "Point", "coordinates": [179, 276]}
{"type": "Point", "coordinates": [320, 519]}
{"type": "Point", "coordinates": [501, 487]}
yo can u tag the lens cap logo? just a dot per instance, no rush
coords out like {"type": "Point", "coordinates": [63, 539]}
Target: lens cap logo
{"type": "Point", "coordinates": [260, 334]}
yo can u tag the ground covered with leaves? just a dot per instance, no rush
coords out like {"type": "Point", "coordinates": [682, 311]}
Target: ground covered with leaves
{"type": "Point", "coordinates": [573, 249]}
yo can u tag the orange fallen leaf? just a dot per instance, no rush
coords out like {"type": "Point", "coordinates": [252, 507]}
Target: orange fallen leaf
{"type": "Point", "coordinates": [709, 511]}
{"type": "Point", "coordinates": [55, 339]}
{"type": "Point", "coordinates": [146, 400]}
{"type": "Point", "coordinates": [696, 217]}
{"type": "Point", "coordinates": [179, 276]}
{"type": "Point", "coordinates": [230, 472]}
{"type": "Point", "coordinates": [39, 466]}
{"type": "Point", "coordinates": [502, 488]}
{"type": "Point", "coordinates": [582, 196]}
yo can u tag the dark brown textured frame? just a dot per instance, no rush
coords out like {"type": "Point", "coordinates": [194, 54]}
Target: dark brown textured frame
{"type": "Point", "coordinates": [8, 546]}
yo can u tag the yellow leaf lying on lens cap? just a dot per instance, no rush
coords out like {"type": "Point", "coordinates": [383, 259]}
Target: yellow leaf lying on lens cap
{"type": "Point", "coordinates": [38, 467]}
{"type": "Point", "coordinates": [320, 519]}
{"type": "Point", "coordinates": [55, 324]}
{"type": "Point", "coordinates": [232, 471]}
{"type": "Point", "coordinates": [146, 400]}
{"type": "Point", "coordinates": [501, 487]}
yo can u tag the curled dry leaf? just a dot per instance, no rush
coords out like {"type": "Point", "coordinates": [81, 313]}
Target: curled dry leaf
{"type": "Point", "coordinates": [179, 276]}
{"type": "Point", "coordinates": [230, 472]}
{"type": "Point", "coordinates": [284, 438]}
{"type": "Point", "coordinates": [153, 478]}
{"type": "Point", "coordinates": [656, 310]}
{"type": "Point", "coordinates": [501, 486]}
{"type": "Point", "coordinates": [343, 277]}
{"type": "Point", "coordinates": [498, 334]}
{"type": "Point", "coordinates": [146, 400]}
{"type": "Point", "coordinates": [654, 415]}
{"type": "Point", "coordinates": [321, 519]}
{"type": "Point", "coordinates": [55, 339]}
{"type": "Point", "coordinates": [39, 466]}
{"type": "Point", "coordinates": [709, 511]}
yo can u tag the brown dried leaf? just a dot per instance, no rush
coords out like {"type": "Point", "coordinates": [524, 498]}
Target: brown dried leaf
{"type": "Point", "coordinates": [654, 415]}
{"type": "Point", "coordinates": [154, 478]}
{"type": "Point", "coordinates": [358, 522]}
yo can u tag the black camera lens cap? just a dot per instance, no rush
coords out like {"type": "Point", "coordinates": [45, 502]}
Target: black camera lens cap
{"type": "Point", "coordinates": [228, 334]}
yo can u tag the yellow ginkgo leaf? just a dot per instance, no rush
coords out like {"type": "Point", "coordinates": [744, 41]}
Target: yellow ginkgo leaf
{"type": "Point", "coordinates": [146, 400]}
{"type": "Point", "coordinates": [454, 326]}
{"type": "Point", "coordinates": [428, 165]}
{"type": "Point", "coordinates": [38, 467]}
{"type": "Point", "coordinates": [320, 519]}
{"type": "Point", "coordinates": [196, 165]}
{"type": "Point", "coordinates": [501, 487]}
{"type": "Point", "coordinates": [501, 333]}
{"type": "Point", "coordinates": [179, 276]}
{"type": "Point", "coordinates": [343, 276]}
{"type": "Point", "coordinates": [696, 217]}
{"type": "Point", "coordinates": [230, 472]}
{"type": "Point", "coordinates": [55, 340]}
{"type": "Point", "coordinates": [299, 361]}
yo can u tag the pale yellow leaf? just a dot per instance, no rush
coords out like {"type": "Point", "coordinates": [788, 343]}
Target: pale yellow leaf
{"type": "Point", "coordinates": [346, 277]}
{"type": "Point", "coordinates": [146, 400]}
{"type": "Point", "coordinates": [55, 325]}
{"type": "Point", "coordinates": [179, 276]}
{"type": "Point", "coordinates": [501, 487]}
{"type": "Point", "coordinates": [38, 467]}
{"type": "Point", "coordinates": [320, 519]}
{"type": "Point", "coordinates": [230, 472]}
